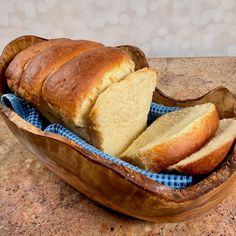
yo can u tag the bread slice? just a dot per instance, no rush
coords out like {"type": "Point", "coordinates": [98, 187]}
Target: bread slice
{"type": "Point", "coordinates": [120, 112]}
{"type": "Point", "coordinates": [213, 152]}
{"type": "Point", "coordinates": [173, 137]}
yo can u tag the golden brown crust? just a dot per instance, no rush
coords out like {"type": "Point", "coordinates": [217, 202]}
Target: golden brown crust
{"type": "Point", "coordinates": [67, 88]}
{"type": "Point", "coordinates": [46, 62]}
{"type": "Point", "coordinates": [207, 163]}
{"type": "Point", "coordinates": [171, 152]}
{"type": "Point", "coordinates": [16, 68]}
{"type": "Point", "coordinates": [10, 51]}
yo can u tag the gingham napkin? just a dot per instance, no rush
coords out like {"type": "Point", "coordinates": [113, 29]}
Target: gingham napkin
{"type": "Point", "coordinates": [30, 114]}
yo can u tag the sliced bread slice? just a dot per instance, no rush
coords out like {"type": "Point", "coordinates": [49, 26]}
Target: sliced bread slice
{"type": "Point", "coordinates": [120, 112]}
{"type": "Point", "coordinates": [213, 152]}
{"type": "Point", "coordinates": [173, 137]}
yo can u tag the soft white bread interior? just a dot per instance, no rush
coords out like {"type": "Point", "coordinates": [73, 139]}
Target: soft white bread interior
{"type": "Point", "coordinates": [173, 137]}
{"type": "Point", "coordinates": [213, 152]}
{"type": "Point", "coordinates": [120, 112]}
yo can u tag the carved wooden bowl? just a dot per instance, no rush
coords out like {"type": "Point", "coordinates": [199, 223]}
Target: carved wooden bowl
{"type": "Point", "coordinates": [115, 186]}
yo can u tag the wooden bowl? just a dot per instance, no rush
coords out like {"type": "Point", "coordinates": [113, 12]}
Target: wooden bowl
{"type": "Point", "coordinates": [116, 186]}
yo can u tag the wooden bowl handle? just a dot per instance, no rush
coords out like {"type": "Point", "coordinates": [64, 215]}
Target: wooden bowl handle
{"type": "Point", "coordinates": [136, 54]}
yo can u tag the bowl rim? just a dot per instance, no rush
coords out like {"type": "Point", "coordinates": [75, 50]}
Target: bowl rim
{"type": "Point", "coordinates": [224, 172]}
{"type": "Point", "coordinates": [221, 174]}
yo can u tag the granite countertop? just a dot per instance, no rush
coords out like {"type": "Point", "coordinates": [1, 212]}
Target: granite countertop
{"type": "Point", "coordinates": [33, 201]}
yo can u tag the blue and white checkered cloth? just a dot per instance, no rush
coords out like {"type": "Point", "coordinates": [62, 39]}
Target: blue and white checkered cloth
{"type": "Point", "coordinates": [30, 114]}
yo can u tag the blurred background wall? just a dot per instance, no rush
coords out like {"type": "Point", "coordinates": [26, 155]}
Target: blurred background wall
{"type": "Point", "coordinates": [159, 27]}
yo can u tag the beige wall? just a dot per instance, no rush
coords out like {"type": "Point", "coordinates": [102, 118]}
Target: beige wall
{"type": "Point", "coordinates": [159, 27]}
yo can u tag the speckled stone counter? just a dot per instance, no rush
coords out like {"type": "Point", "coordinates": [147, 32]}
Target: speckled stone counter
{"type": "Point", "coordinates": [33, 201]}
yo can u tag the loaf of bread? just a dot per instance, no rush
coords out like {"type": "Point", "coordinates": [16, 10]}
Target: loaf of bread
{"type": "Point", "coordinates": [212, 153]}
{"type": "Point", "coordinates": [173, 137]}
{"type": "Point", "coordinates": [63, 78]}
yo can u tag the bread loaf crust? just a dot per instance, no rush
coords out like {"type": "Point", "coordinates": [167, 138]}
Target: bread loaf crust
{"type": "Point", "coordinates": [61, 88]}
{"type": "Point", "coordinates": [67, 89]}
{"type": "Point", "coordinates": [207, 163]}
{"type": "Point", "coordinates": [46, 63]}
{"type": "Point", "coordinates": [15, 69]}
